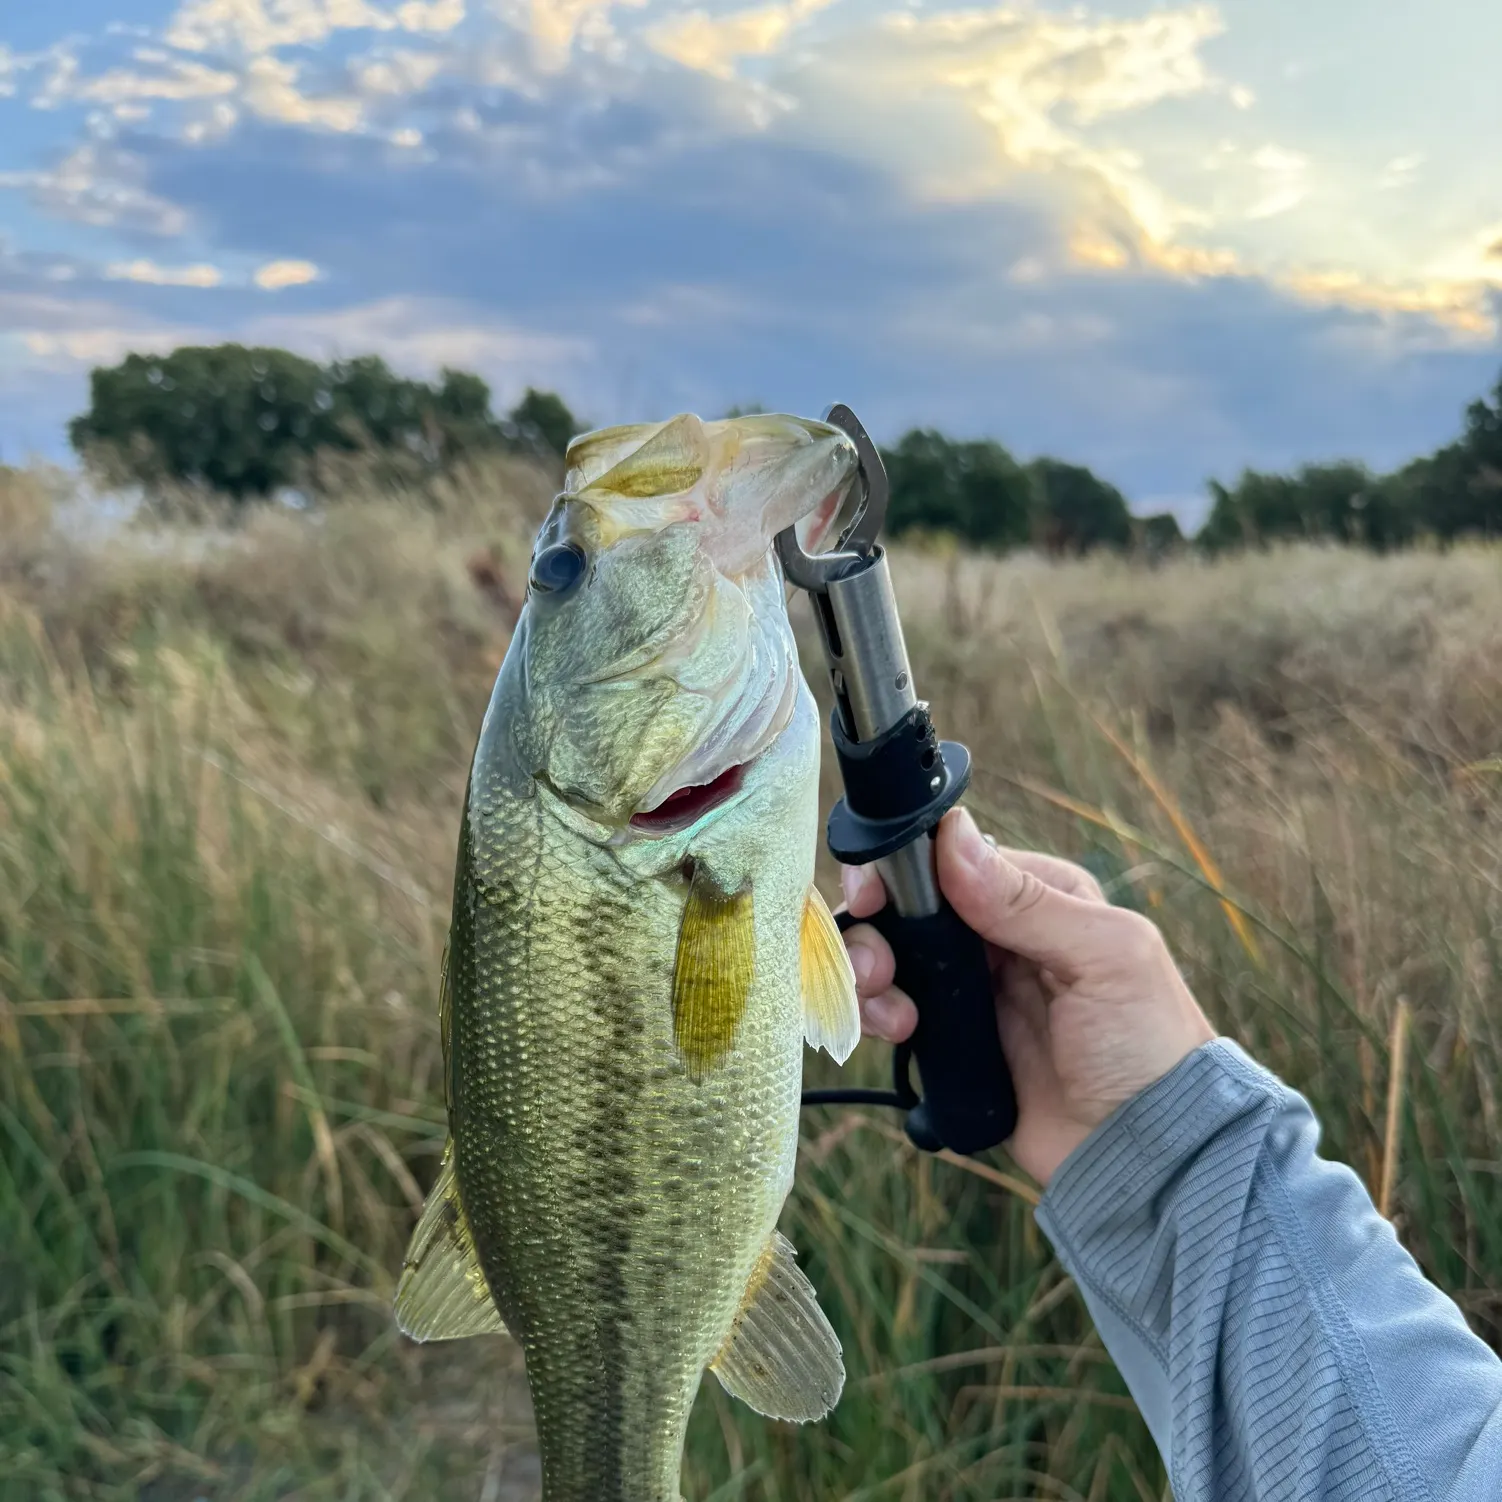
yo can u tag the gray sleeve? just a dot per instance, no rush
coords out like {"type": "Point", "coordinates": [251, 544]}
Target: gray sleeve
{"type": "Point", "coordinates": [1280, 1342]}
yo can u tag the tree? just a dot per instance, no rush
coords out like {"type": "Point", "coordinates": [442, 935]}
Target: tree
{"type": "Point", "coordinates": [975, 490]}
{"type": "Point", "coordinates": [543, 416]}
{"type": "Point", "coordinates": [1074, 511]}
{"type": "Point", "coordinates": [249, 421]}
{"type": "Point", "coordinates": [1457, 491]}
{"type": "Point", "coordinates": [1341, 501]}
{"type": "Point", "coordinates": [1158, 534]}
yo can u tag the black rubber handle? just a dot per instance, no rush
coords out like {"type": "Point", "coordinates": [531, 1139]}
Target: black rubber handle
{"type": "Point", "coordinates": [969, 1103]}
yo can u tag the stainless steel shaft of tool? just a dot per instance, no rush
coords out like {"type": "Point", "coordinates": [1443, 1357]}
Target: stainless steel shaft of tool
{"type": "Point", "coordinates": [874, 688]}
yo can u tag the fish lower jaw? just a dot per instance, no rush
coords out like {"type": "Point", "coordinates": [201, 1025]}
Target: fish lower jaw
{"type": "Point", "coordinates": [687, 805]}
{"type": "Point", "coordinates": [674, 808]}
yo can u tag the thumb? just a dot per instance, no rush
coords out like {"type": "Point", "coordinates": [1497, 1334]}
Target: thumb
{"type": "Point", "coordinates": [1013, 909]}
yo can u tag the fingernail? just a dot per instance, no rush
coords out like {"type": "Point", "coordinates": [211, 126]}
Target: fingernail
{"type": "Point", "coordinates": [852, 879]}
{"type": "Point", "coordinates": [862, 961]}
{"type": "Point", "coordinates": [969, 843]}
{"type": "Point", "coordinates": [880, 1015]}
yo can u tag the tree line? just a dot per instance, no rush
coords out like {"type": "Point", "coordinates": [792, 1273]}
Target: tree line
{"type": "Point", "coordinates": [252, 422]}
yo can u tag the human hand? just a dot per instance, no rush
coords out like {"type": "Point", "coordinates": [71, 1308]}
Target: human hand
{"type": "Point", "coordinates": [1089, 1003]}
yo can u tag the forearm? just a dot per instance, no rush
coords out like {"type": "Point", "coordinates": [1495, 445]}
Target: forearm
{"type": "Point", "coordinates": [1277, 1337]}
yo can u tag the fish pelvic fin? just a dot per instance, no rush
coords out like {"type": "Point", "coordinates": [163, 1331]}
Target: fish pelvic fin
{"type": "Point", "coordinates": [713, 972]}
{"type": "Point", "coordinates": [781, 1357]}
{"type": "Point", "coordinates": [442, 1293]}
{"type": "Point", "coordinates": [831, 1014]}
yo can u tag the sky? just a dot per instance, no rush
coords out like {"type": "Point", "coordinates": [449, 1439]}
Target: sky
{"type": "Point", "coordinates": [1168, 241]}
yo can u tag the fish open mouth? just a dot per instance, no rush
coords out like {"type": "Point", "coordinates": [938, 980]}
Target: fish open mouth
{"type": "Point", "coordinates": [687, 805]}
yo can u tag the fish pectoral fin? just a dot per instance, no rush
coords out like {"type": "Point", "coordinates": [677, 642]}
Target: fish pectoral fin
{"type": "Point", "coordinates": [781, 1357]}
{"type": "Point", "coordinates": [442, 1293]}
{"type": "Point", "coordinates": [712, 972]}
{"type": "Point", "coordinates": [831, 1014]}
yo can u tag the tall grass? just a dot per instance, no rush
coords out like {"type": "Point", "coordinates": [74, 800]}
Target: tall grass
{"type": "Point", "coordinates": [230, 774]}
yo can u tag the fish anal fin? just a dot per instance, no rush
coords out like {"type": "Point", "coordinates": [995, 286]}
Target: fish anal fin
{"type": "Point", "coordinates": [831, 1014]}
{"type": "Point", "coordinates": [712, 972]}
{"type": "Point", "coordinates": [442, 1293]}
{"type": "Point", "coordinates": [781, 1356]}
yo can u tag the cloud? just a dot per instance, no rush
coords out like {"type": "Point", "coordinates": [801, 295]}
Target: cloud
{"type": "Point", "coordinates": [423, 334]}
{"type": "Point", "coordinates": [270, 90]}
{"type": "Point", "coordinates": [554, 26]}
{"type": "Point", "coordinates": [248, 27]}
{"type": "Point", "coordinates": [1284, 184]}
{"type": "Point", "coordinates": [159, 78]}
{"type": "Point", "coordinates": [1401, 171]}
{"type": "Point", "coordinates": [714, 44]}
{"type": "Point", "coordinates": [64, 332]}
{"type": "Point", "coordinates": [102, 185]}
{"type": "Point", "coordinates": [201, 275]}
{"type": "Point", "coordinates": [278, 274]}
{"type": "Point", "coordinates": [397, 73]}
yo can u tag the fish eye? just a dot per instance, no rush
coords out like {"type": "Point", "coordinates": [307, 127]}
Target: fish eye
{"type": "Point", "coordinates": [558, 570]}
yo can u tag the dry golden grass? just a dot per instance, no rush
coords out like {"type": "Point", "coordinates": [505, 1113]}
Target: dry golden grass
{"type": "Point", "coordinates": [231, 762]}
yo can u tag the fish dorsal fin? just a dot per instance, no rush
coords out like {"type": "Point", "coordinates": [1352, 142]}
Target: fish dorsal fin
{"type": "Point", "coordinates": [831, 1014]}
{"type": "Point", "coordinates": [781, 1356]}
{"type": "Point", "coordinates": [442, 1294]}
{"type": "Point", "coordinates": [713, 971]}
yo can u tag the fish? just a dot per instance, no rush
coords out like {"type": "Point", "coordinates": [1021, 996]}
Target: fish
{"type": "Point", "coordinates": [637, 957]}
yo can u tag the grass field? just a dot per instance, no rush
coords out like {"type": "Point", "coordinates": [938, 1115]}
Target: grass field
{"type": "Point", "coordinates": [231, 764]}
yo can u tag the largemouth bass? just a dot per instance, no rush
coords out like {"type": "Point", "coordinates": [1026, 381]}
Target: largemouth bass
{"type": "Point", "coordinates": [636, 957]}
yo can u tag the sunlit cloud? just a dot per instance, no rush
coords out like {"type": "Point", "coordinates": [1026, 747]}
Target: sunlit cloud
{"type": "Point", "coordinates": [252, 27]}
{"type": "Point", "coordinates": [714, 44]}
{"type": "Point", "coordinates": [1285, 181]}
{"type": "Point", "coordinates": [155, 76]}
{"type": "Point", "coordinates": [555, 25]}
{"type": "Point", "coordinates": [271, 91]}
{"type": "Point", "coordinates": [201, 275]}
{"type": "Point", "coordinates": [275, 275]}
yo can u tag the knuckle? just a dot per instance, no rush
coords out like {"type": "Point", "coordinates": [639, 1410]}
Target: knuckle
{"type": "Point", "coordinates": [1141, 941]}
{"type": "Point", "coordinates": [1020, 890]}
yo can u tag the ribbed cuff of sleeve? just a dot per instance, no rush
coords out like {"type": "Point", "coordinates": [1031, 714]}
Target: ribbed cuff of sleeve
{"type": "Point", "coordinates": [1116, 1172]}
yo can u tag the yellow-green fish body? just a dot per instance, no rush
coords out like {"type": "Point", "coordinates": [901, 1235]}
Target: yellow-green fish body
{"type": "Point", "coordinates": [635, 959]}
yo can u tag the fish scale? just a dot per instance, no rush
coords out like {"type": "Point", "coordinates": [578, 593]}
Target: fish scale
{"type": "Point", "coordinates": [624, 1018]}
